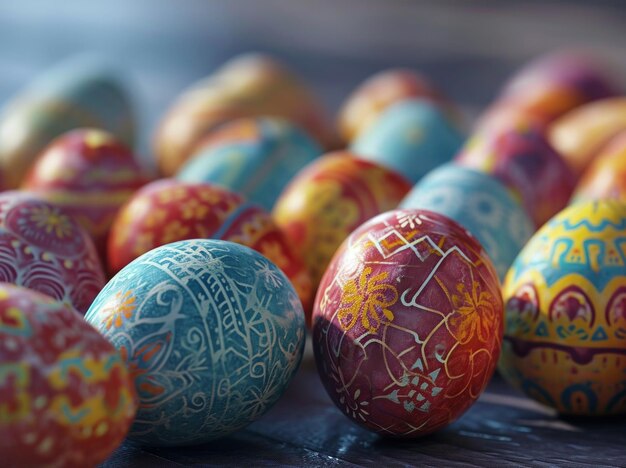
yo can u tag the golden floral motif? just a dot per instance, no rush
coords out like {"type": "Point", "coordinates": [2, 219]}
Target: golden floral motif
{"type": "Point", "coordinates": [193, 209]}
{"type": "Point", "coordinates": [367, 299]}
{"type": "Point", "coordinates": [122, 307]}
{"type": "Point", "coordinates": [174, 231]}
{"type": "Point", "coordinates": [474, 313]}
{"type": "Point", "coordinates": [156, 217]}
{"type": "Point", "coordinates": [173, 194]}
{"type": "Point", "coordinates": [51, 220]}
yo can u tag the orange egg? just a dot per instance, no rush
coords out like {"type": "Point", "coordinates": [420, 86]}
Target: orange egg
{"type": "Point", "coordinates": [247, 86]}
{"type": "Point", "coordinates": [328, 199]}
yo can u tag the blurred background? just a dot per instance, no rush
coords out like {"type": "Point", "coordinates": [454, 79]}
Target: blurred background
{"type": "Point", "coordinates": [467, 48]}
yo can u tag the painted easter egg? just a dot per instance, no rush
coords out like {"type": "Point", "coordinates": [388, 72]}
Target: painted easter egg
{"type": "Point", "coordinates": [67, 398]}
{"type": "Point", "coordinates": [254, 157]}
{"type": "Point", "coordinates": [249, 85]}
{"type": "Point", "coordinates": [407, 324]}
{"type": "Point", "coordinates": [82, 92]}
{"type": "Point", "coordinates": [581, 134]}
{"type": "Point", "coordinates": [606, 175]}
{"type": "Point", "coordinates": [89, 174]}
{"type": "Point", "coordinates": [168, 210]}
{"type": "Point", "coordinates": [411, 137]}
{"type": "Point", "coordinates": [43, 248]}
{"type": "Point", "coordinates": [558, 82]}
{"type": "Point", "coordinates": [380, 91]}
{"type": "Point", "coordinates": [328, 199]}
{"type": "Point", "coordinates": [565, 318]}
{"type": "Point", "coordinates": [522, 159]}
{"type": "Point", "coordinates": [212, 332]}
{"type": "Point", "coordinates": [481, 204]}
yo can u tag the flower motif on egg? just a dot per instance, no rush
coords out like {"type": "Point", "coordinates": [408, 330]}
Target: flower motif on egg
{"type": "Point", "coordinates": [366, 300]}
{"type": "Point", "coordinates": [407, 323]}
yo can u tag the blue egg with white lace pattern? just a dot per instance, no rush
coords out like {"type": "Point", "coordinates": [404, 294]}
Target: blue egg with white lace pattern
{"type": "Point", "coordinates": [212, 332]}
{"type": "Point", "coordinates": [411, 137]}
{"type": "Point", "coordinates": [481, 204]}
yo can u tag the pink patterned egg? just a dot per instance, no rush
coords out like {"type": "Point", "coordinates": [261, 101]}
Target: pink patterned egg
{"type": "Point", "coordinates": [43, 248]}
{"type": "Point", "coordinates": [522, 159]}
{"type": "Point", "coordinates": [407, 324]}
{"type": "Point", "coordinates": [558, 82]}
{"type": "Point", "coordinates": [90, 175]}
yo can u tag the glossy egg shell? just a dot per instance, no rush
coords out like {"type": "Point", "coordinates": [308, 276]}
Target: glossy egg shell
{"type": "Point", "coordinates": [67, 397]}
{"type": "Point", "coordinates": [581, 134]}
{"type": "Point", "coordinates": [43, 248]}
{"type": "Point", "coordinates": [565, 319]}
{"type": "Point", "coordinates": [328, 199]}
{"type": "Point", "coordinates": [250, 85]}
{"type": "Point", "coordinates": [254, 157]}
{"type": "Point", "coordinates": [90, 175]}
{"type": "Point", "coordinates": [212, 332]}
{"type": "Point", "coordinates": [81, 92]}
{"type": "Point", "coordinates": [411, 137]}
{"type": "Point", "coordinates": [374, 95]}
{"type": "Point", "coordinates": [606, 175]}
{"type": "Point", "coordinates": [479, 203]}
{"type": "Point", "coordinates": [407, 324]}
{"type": "Point", "coordinates": [168, 210]}
{"type": "Point", "coordinates": [526, 163]}
{"type": "Point", "coordinates": [556, 83]}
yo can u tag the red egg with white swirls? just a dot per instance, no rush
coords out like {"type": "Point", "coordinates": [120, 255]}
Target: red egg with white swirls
{"type": "Point", "coordinates": [90, 175]}
{"type": "Point", "coordinates": [407, 323]}
{"type": "Point", "coordinates": [43, 248]}
{"type": "Point", "coordinates": [169, 210]}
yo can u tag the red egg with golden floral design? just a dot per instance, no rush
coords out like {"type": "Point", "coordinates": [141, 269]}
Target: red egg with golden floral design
{"type": "Point", "coordinates": [168, 210]}
{"type": "Point", "coordinates": [67, 397]}
{"type": "Point", "coordinates": [407, 323]}
{"type": "Point", "coordinates": [331, 197]}
{"type": "Point", "coordinates": [43, 248]}
{"type": "Point", "coordinates": [90, 175]}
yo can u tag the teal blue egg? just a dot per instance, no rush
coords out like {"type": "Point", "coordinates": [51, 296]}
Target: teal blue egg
{"type": "Point", "coordinates": [481, 204]}
{"type": "Point", "coordinates": [411, 137]}
{"type": "Point", "coordinates": [81, 92]}
{"type": "Point", "coordinates": [212, 331]}
{"type": "Point", "coordinates": [254, 157]}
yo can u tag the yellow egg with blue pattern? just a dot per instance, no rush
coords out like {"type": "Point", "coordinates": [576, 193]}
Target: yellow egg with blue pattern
{"type": "Point", "coordinates": [565, 312]}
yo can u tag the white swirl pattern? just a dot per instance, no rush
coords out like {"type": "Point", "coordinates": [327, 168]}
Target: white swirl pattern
{"type": "Point", "coordinates": [215, 335]}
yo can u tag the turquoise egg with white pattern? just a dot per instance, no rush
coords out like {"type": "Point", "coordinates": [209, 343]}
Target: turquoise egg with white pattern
{"type": "Point", "coordinates": [411, 137]}
{"type": "Point", "coordinates": [481, 204]}
{"type": "Point", "coordinates": [212, 333]}
{"type": "Point", "coordinates": [255, 157]}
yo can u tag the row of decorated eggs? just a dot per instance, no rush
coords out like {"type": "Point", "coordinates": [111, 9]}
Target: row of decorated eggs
{"type": "Point", "coordinates": [328, 198]}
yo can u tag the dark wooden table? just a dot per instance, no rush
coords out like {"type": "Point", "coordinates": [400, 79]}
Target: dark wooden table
{"type": "Point", "coordinates": [503, 428]}
{"type": "Point", "coordinates": [467, 48]}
